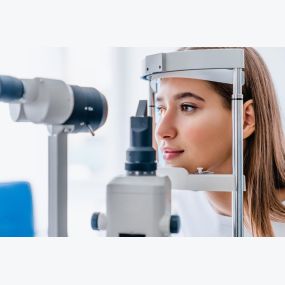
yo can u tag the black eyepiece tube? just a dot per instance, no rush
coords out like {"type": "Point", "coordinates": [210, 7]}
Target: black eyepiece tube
{"type": "Point", "coordinates": [141, 156]}
{"type": "Point", "coordinates": [11, 89]}
{"type": "Point", "coordinates": [90, 109]}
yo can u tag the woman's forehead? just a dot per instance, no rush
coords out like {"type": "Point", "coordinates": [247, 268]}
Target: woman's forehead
{"type": "Point", "coordinates": [169, 87]}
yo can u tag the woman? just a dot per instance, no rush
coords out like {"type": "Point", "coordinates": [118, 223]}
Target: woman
{"type": "Point", "coordinates": [194, 130]}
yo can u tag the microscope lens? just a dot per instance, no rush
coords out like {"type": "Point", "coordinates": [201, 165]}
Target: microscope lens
{"type": "Point", "coordinates": [90, 109]}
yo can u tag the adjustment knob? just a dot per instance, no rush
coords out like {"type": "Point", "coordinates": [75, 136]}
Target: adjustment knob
{"type": "Point", "coordinates": [175, 224]}
{"type": "Point", "coordinates": [98, 221]}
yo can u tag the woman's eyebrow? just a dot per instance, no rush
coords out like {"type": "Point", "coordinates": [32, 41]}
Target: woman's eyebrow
{"type": "Point", "coordinates": [183, 95]}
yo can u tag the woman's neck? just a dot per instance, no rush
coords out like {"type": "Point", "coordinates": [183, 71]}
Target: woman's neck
{"type": "Point", "coordinates": [221, 202]}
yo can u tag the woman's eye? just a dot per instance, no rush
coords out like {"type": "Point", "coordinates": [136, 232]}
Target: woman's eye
{"type": "Point", "coordinates": [159, 109]}
{"type": "Point", "coordinates": [188, 108]}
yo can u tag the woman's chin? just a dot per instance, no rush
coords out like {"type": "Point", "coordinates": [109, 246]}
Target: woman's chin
{"type": "Point", "coordinates": [179, 165]}
{"type": "Point", "coordinates": [174, 164]}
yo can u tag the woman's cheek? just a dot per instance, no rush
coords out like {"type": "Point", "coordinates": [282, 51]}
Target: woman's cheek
{"type": "Point", "coordinates": [198, 134]}
{"type": "Point", "coordinates": [206, 134]}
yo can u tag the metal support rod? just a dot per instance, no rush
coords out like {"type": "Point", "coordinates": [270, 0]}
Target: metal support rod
{"type": "Point", "coordinates": [237, 144]}
{"type": "Point", "coordinates": [151, 101]}
{"type": "Point", "coordinates": [151, 113]}
{"type": "Point", "coordinates": [57, 197]}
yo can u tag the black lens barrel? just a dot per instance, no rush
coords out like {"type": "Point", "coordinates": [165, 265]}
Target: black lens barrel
{"type": "Point", "coordinates": [90, 109]}
{"type": "Point", "coordinates": [141, 156]}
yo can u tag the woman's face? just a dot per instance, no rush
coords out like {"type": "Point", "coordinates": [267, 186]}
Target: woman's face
{"type": "Point", "coordinates": [194, 128]}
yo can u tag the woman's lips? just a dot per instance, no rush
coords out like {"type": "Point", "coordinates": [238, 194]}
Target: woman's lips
{"type": "Point", "coordinates": [169, 153]}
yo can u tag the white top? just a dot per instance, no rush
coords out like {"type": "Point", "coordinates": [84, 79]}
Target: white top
{"type": "Point", "coordinates": [199, 219]}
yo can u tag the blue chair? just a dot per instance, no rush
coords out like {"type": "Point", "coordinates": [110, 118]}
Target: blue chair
{"type": "Point", "coordinates": [16, 210]}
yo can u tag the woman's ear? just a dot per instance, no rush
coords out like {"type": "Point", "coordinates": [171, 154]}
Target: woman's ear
{"type": "Point", "coordinates": [248, 119]}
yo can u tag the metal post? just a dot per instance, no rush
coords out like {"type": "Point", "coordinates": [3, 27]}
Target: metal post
{"type": "Point", "coordinates": [151, 113]}
{"type": "Point", "coordinates": [57, 197]}
{"type": "Point", "coordinates": [151, 101]}
{"type": "Point", "coordinates": [237, 144]}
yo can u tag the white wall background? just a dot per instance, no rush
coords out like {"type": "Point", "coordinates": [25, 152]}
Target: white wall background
{"type": "Point", "coordinates": [92, 161]}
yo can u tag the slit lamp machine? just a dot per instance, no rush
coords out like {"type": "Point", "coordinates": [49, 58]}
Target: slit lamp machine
{"type": "Point", "coordinates": [138, 204]}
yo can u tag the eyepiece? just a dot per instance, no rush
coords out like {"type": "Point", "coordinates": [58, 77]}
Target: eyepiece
{"type": "Point", "coordinates": [11, 89]}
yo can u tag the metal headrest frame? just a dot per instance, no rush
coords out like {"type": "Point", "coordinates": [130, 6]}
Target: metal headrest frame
{"type": "Point", "coordinates": [219, 65]}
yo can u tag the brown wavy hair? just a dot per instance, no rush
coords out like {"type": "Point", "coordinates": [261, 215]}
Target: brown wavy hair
{"type": "Point", "coordinates": [264, 155]}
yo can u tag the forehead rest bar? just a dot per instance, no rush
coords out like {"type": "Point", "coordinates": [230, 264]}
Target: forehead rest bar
{"type": "Point", "coordinates": [212, 64]}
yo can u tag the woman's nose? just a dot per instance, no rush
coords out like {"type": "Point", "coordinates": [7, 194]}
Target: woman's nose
{"type": "Point", "coordinates": [166, 127]}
